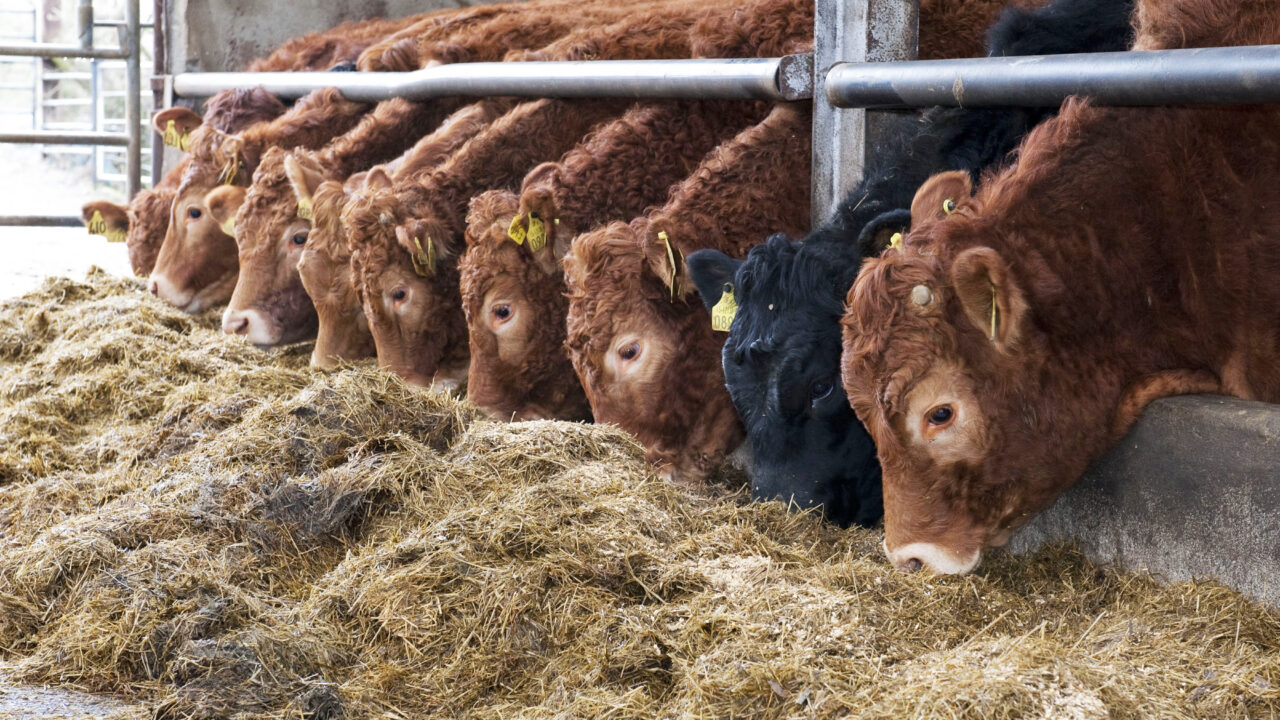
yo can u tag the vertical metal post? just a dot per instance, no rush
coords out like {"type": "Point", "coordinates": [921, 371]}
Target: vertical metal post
{"type": "Point", "coordinates": [133, 96]}
{"type": "Point", "coordinates": [844, 140]}
{"type": "Point", "coordinates": [85, 16]}
{"type": "Point", "coordinates": [160, 68]}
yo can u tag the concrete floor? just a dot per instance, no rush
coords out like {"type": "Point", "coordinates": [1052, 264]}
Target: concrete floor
{"type": "Point", "coordinates": [29, 255]}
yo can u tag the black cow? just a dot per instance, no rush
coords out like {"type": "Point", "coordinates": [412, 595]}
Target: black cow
{"type": "Point", "coordinates": [782, 357]}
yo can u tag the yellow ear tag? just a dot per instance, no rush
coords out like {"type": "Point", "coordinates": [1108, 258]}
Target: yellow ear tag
{"type": "Point", "coordinates": [672, 254]}
{"type": "Point", "coordinates": [305, 211]}
{"type": "Point", "coordinates": [516, 232]}
{"type": "Point", "coordinates": [948, 206]}
{"type": "Point", "coordinates": [424, 261]}
{"type": "Point", "coordinates": [895, 241]}
{"type": "Point", "coordinates": [230, 171]}
{"type": "Point", "coordinates": [229, 227]}
{"type": "Point", "coordinates": [174, 139]}
{"type": "Point", "coordinates": [97, 226]}
{"type": "Point", "coordinates": [116, 235]}
{"type": "Point", "coordinates": [994, 313]}
{"type": "Point", "coordinates": [723, 312]}
{"type": "Point", "coordinates": [537, 233]}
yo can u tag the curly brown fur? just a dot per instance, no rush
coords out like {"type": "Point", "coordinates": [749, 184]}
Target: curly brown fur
{"type": "Point", "coordinates": [507, 380]}
{"type": "Point", "coordinates": [614, 173]}
{"type": "Point", "coordinates": [671, 395]}
{"type": "Point", "coordinates": [268, 221]}
{"type": "Point", "coordinates": [430, 210]}
{"type": "Point", "coordinates": [639, 36]}
{"type": "Point", "coordinates": [196, 266]}
{"type": "Point", "coordinates": [1042, 335]}
{"type": "Point", "coordinates": [760, 28]}
{"type": "Point", "coordinates": [342, 44]}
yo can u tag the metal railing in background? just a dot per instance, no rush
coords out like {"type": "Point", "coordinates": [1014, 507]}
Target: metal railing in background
{"type": "Point", "coordinates": [129, 50]}
{"type": "Point", "coordinates": [747, 79]}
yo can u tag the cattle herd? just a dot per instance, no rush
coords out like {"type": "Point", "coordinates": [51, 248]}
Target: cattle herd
{"type": "Point", "coordinates": [988, 310]}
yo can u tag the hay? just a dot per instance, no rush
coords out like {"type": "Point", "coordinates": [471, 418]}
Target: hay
{"type": "Point", "coordinates": [217, 531]}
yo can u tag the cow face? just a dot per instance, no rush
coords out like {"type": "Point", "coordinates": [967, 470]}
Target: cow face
{"type": "Point", "coordinates": [197, 265]}
{"type": "Point", "coordinates": [646, 355]}
{"type": "Point", "coordinates": [407, 285]}
{"type": "Point", "coordinates": [940, 363]}
{"type": "Point", "coordinates": [269, 305]}
{"type": "Point", "coordinates": [781, 362]}
{"type": "Point", "coordinates": [325, 270]}
{"type": "Point", "coordinates": [515, 311]}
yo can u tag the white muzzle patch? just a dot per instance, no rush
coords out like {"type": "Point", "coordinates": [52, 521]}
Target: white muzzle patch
{"type": "Point", "coordinates": [927, 556]}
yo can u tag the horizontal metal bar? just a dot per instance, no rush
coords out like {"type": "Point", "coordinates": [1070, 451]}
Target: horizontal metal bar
{"type": "Point", "coordinates": [64, 51]}
{"type": "Point", "coordinates": [41, 221]}
{"type": "Point", "coordinates": [65, 138]}
{"type": "Point", "coordinates": [711, 79]}
{"type": "Point", "coordinates": [1158, 77]}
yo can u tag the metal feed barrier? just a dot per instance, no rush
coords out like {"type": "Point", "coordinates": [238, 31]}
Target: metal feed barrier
{"type": "Point", "coordinates": [129, 50]}
{"type": "Point", "coordinates": [863, 58]}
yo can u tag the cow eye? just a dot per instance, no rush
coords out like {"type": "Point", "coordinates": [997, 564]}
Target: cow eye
{"type": "Point", "coordinates": [300, 239]}
{"type": "Point", "coordinates": [194, 213]}
{"type": "Point", "coordinates": [819, 390]}
{"type": "Point", "coordinates": [399, 294]}
{"type": "Point", "coordinates": [941, 415]}
{"type": "Point", "coordinates": [630, 351]}
{"type": "Point", "coordinates": [502, 312]}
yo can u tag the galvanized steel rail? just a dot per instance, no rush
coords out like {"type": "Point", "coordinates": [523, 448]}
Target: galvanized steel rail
{"type": "Point", "coordinates": [1157, 77]}
{"type": "Point", "coordinates": [749, 79]}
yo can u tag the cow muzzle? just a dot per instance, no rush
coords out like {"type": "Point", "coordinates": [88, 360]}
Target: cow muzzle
{"type": "Point", "coordinates": [913, 557]}
{"type": "Point", "coordinates": [251, 325]}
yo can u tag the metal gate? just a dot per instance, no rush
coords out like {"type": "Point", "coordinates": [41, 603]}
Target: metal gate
{"type": "Point", "coordinates": [129, 137]}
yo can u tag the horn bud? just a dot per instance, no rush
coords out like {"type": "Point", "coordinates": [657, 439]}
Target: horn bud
{"type": "Point", "coordinates": [921, 295]}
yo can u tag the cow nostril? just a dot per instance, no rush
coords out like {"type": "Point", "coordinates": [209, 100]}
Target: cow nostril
{"type": "Point", "coordinates": [243, 327]}
{"type": "Point", "coordinates": [912, 565]}
{"type": "Point", "coordinates": [153, 287]}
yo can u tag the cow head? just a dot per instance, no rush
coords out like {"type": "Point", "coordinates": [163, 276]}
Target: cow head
{"type": "Point", "coordinates": [781, 362]}
{"type": "Point", "coordinates": [944, 365]}
{"type": "Point", "coordinates": [325, 270]}
{"type": "Point", "coordinates": [197, 266]}
{"type": "Point", "coordinates": [269, 305]}
{"type": "Point", "coordinates": [407, 278]}
{"type": "Point", "coordinates": [645, 354]}
{"type": "Point", "coordinates": [513, 297]}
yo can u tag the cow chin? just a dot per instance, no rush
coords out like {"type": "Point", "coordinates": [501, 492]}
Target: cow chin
{"type": "Point", "coordinates": [928, 556]}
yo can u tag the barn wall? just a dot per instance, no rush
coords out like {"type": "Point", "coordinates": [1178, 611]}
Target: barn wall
{"type": "Point", "coordinates": [221, 35]}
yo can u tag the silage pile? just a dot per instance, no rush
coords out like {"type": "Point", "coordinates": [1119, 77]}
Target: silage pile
{"type": "Point", "coordinates": [217, 531]}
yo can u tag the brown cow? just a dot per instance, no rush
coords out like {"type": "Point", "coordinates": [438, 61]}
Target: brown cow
{"type": "Point", "coordinates": [197, 265]}
{"type": "Point", "coordinates": [487, 32]}
{"type": "Point", "coordinates": [269, 305]}
{"type": "Point", "coordinates": [1008, 344]}
{"type": "Point", "coordinates": [146, 218]}
{"type": "Point", "coordinates": [513, 294]}
{"type": "Point", "coordinates": [406, 240]}
{"type": "Point", "coordinates": [324, 265]}
{"type": "Point", "coordinates": [641, 346]}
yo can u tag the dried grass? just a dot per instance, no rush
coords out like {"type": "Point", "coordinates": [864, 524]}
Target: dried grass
{"type": "Point", "coordinates": [221, 532]}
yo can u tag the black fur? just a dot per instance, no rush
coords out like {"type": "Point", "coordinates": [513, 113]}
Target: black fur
{"type": "Point", "coordinates": [782, 356]}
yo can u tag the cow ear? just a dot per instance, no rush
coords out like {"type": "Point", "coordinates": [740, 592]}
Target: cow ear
{"type": "Point", "coordinates": [422, 251]}
{"type": "Point", "coordinates": [106, 219]}
{"type": "Point", "coordinates": [877, 235]}
{"type": "Point", "coordinates": [305, 177]}
{"type": "Point", "coordinates": [377, 180]}
{"type": "Point", "coordinates": [223, 202]}
{"type": "Point", "coordinates": [990, 296]}
{"type": "Point", "coordinates": [175, 125]}
{"type": "Point", "coordinates": [711, 272]}
{"type": "Point", "coordinates": [663, 255]}
{"type": "Point", "coordinates": [939, 195]}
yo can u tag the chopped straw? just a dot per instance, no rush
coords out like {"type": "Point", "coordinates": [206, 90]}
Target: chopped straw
{"type": "Point", "coordinates": [215, 531]}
